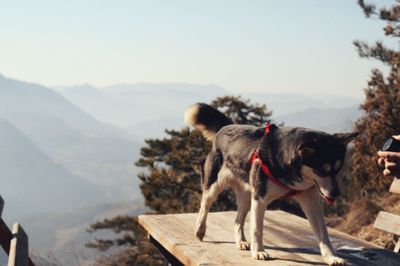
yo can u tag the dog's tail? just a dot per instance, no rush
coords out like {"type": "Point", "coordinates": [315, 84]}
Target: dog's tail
{"type": "Point", "coordinates": [207, 119]}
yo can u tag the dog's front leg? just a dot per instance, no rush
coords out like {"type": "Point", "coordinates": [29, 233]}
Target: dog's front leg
{"type": "Point", "coordinates": [310, 202]}
{"type": "Point", "coordinates": [257, 212]}
{"type": "Point", "coordinates": [243, 201]}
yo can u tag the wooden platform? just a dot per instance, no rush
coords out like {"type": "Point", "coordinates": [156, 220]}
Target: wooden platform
{"type": "Point", "coordinates": [287, 238]}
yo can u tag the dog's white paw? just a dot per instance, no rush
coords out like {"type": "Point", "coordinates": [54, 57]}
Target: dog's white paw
{"type": "Point", "coordinates": [200, 232]}
{"type": "Point", "coordinates": [243, 245]}
{"type": "Point", "coordinates": [334, 261]}
{"type": "Point", "coordinates": [260, 255]}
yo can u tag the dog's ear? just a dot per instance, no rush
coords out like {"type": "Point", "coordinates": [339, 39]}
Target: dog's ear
{"type": "Point", "coordinates": [345, 138]}
{"type": "Point", "coordinates": [305, 151]}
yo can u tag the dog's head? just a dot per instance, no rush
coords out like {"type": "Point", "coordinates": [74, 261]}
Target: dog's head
{"type": "Point", "coordinates": [322, 156]}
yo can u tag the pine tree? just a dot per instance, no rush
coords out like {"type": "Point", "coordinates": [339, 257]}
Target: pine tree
{"type": "Point", "coordinates": [134, 247]}
{"type": "Point", "coordinates": [382, 104]}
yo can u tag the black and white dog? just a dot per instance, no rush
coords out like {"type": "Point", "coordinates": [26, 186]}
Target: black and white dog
{"type": "Point", "coordinates": [263, 164]}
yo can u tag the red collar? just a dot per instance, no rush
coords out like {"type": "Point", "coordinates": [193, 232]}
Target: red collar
{"type": "Point", "coordinates": [267, 172]}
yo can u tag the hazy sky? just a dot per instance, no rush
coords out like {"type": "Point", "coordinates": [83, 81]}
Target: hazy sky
{"type": "Point", "coordinates": [258, 45]}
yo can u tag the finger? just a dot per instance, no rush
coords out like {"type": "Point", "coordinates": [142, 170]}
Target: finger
{"type": "Point", "coordinates": [389, 164]}
{"type": "Point", "coordinates": [386, 172]}
{"type": "Point", "coordinates": [381, 162]}
{"type": "Point", "coordinates": [396, 137]}
{"type": "Point", "coordinates": [393, 168]}
{"type": "Point", "coordinates": [395, 156]}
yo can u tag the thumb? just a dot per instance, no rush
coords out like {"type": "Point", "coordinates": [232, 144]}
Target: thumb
{"type": "Point", "coordinates": [397, 137]}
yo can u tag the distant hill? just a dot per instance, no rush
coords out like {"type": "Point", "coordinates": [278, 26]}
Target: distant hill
{"type": "Point", "coordinates": [32, 183]}
{"type": "Point", "coordinates": [126, 105]}
{"type": "Point", "coordinates": [100, 153]}
{"type": "Point", "coordinates": [145, 110]}
{"type": "Point", "coordinates": [288, 103]}
{"type": "Point", "coordinates": [331, 120]}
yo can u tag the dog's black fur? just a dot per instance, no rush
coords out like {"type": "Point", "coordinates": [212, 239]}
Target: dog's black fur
{"type": "Point", "coordinates": [284, 150]}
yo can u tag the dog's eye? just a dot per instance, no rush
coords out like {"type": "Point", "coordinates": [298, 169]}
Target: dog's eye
{"type": "Point", "coordinates": [338, 163]}
{"type": "Point", "coordinates": [321, 172]}
{"type": "Point", "coordinates": [327, 168]}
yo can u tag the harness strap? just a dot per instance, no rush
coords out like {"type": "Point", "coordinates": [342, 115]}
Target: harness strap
{"type": "Point", "coordinates": [256, 158]}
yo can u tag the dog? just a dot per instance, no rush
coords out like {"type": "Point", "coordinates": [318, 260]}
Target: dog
{"type": "Point", "coordinates": [262, 164]}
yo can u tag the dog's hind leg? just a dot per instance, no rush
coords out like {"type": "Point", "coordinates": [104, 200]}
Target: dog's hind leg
{"type": "Point", "coordinates": [311, 204]}
{"type": "Point", "coordinates": [207, 199]}
{"type": "Point", "coordinates": [243, 201]}
{"type": "Point", "coordinates": [211, 189]}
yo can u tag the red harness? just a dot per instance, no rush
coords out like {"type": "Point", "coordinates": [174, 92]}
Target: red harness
{"type": "Point", "coordinates": [267, 172]}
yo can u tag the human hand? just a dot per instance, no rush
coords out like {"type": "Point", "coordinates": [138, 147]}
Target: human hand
{"type": "Point", "coordinates": [390, 160]}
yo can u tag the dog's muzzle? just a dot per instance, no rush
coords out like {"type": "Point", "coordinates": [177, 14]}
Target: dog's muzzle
{"type": "Point", "coordinates": [330, 200]}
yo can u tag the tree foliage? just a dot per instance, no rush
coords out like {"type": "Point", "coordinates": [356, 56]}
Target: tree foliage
{"type": "Point", "coordinates": [382, 104]}
{"type": "Point", "coordinates": [134, 247]}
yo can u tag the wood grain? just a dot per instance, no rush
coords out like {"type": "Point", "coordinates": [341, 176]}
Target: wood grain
{"type": "Point", "coordinates": [395, 187]}
{"type": "Point", "coordinates": [287, 238]}
{"type": "Point", "coordinates": [388, 222]}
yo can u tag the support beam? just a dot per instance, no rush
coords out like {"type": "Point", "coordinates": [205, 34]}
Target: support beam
{"type": "Point", "coordinates": [1, 205]}
{"type": "Point", "coordinates": [5, 236]}
{"type": "Point", "coordinates": [19, 249]}
{"type": "Point", "coordinates": [167, 255]}
{"type": "Point", "coordinates": [397, 247]}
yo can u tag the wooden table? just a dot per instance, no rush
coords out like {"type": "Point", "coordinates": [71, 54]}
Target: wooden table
{"type": "Point", "coordinates": [287, 238]}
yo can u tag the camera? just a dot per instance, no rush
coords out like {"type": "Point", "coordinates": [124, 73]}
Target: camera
{"type": "Point", "coordinates": [391, 144]}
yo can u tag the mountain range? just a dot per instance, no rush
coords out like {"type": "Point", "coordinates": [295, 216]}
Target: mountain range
{"type": "Point", "coordinates": [146, 109]}
{"type": "Point", "coordinates": [51, 137]}
{"type": "Point", "coordinates": [32, 183]}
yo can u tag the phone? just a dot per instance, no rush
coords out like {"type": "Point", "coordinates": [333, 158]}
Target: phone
{"type": "Point", "coordinates": [391, 144]}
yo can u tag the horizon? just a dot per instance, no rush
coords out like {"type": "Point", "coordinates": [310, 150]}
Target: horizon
{"type": "Point", "coordinates": [229, 92]}
{"type": "Point", "coordinates": [270, 47]}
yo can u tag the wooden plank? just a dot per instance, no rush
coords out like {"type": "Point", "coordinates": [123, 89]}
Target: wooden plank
{"type": "Point", "coordinates": [5, 236]}
{"type": "Point", "coordinates": [388, 222]}
{"type": "Point", "coordinates": [287, 238]}
{"type": "Point", "coordinates": [19, 250]}
{"type": "Point", "coordinates": [1, 205]}
{"type": "Point", "coordinates": [397, 247]}
{"type": "Point", "coordinates": [395, 187]}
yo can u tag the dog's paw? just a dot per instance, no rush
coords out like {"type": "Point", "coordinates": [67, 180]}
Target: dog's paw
{"type": "Point", "coordinates": [260, 255]}
{"type": "Point", "coordinates": [200, 233]}
{"type": "Point", "coordinates": [243, 245]}
{"type": "Point", "coordinates": [334, 261]}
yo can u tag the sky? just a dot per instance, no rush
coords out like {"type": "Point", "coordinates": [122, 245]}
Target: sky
{"type": "Point", "coordinates": [244, 46]}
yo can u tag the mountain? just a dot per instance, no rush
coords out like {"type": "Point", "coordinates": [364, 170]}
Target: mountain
{"type": "Point", "coordinates": [331, 120]}
{"type": "Point", "coordinates": [146, 109]}
{"type": "Point", "coordinates": [101, 106]}
{"type": "Point", "coordinates": [99, 153]}
{"type": "Point", "coordinates": [32, 183]}
{"type": "Point", "coordinates": [287, 103]}
{"type": "Point", "coordinates": [125, 105]}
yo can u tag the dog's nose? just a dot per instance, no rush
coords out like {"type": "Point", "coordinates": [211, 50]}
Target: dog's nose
{"type": "Point", "coordinates": [334, 193]}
